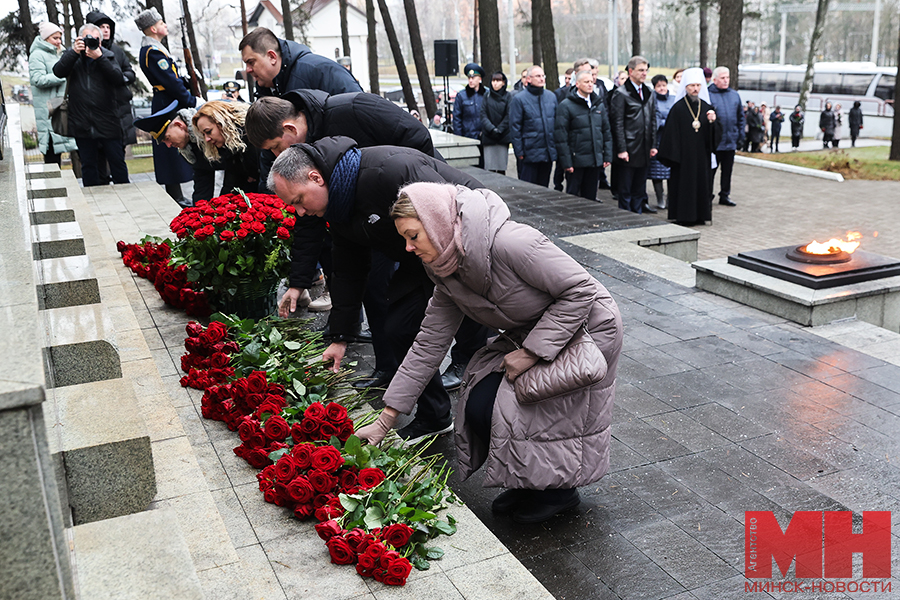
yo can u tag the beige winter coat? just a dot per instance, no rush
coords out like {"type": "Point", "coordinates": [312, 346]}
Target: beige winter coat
{"type": "Point", "coordinates": [514, 279]}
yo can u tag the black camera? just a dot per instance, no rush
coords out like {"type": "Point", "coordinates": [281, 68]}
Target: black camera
{"type": "Point", "coordinates": [91, 42]}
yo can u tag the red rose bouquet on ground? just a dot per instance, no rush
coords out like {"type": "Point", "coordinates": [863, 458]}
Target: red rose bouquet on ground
{"type": "Point", "coordinates": [234, 240]}
{"type": "Point", "coordinates": [151, 260]}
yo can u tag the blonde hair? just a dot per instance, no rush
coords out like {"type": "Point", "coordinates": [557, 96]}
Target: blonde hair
{"type": "Point", "coordinates": [403, 208]}
{"type": "Point", "coordinates": [230, 117]}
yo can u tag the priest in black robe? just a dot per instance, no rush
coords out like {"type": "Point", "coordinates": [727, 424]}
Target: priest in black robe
{"type": "Point", "coordinates": [687, 147]}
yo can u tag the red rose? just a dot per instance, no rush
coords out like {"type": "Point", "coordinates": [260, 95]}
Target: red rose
{"type": "Point", "coordinates": [257, 227]}
{"type": "Point", "coordinates": [375, 550]}
{"type": "Point", "coordinates": [217, 331]}
{"type": "Point", "coordinates": [328, 530]}
{"type": "Point", "coordinates": [310, 428]}
{"type": "Point", "coordinates": [226, 235]}
{"type": "Point", "coordinates": [256, 382]}
{"type": "Point", "coordinates": [302, 454]}
{"type": "Point", "coordinates": [400, 568]}
{"type": "Point", "coordinates": [258, 458]}
{"type": "Point", "coordinates": [246, 217]}
{"type": "Point", "coordinates": [327, 458]}
{"type": "Point", "coordinates": [219, 360]}
{"type": "Point", "coordinates": [247, 429]}
{"type": "Point", "coordinates": [282, 233]}
{"type": "Point", "coordinates": [326, 430]}
{"type": "Point", "coordinates": [193, 329]}
{"type": "Point", "coordinates": [335, 413]}
{"type": "Point", "coordinates": [358, 539]}
{"type": "Point", "coordinates": [397, 535]}
{"type": "Point", "coordinates": [321, 481]}
{"type": "Point", "coordinates": [290, 222]}
{"type": "Point", "coordinates": [276, 428]}
{"type": "Point", "coordinates": [242, 233]}
{"type": "Point", "coordinates": [363, 568]}
{"type": "Point", "coordinates": [346, 430]}
{"type": "Point", "coordinates": [286, 469]}
{"type": "Point", "coordinates": [370, 477]}
{"type": "Point", "coordinates": [340, 551]}
{"type": "Point", "coordinates": [347, 479]}
{"type": "Point", "coordinates": [300, 490]}
{"type": "Point", "coordinates": [303, 511]}
{"type": "Point", "coordinates": [315, 411]}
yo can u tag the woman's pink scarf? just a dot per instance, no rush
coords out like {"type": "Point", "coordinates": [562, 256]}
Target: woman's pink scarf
{"type": "Point", "coordinates": [435, 204]}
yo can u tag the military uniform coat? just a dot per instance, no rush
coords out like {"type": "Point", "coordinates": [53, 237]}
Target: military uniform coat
{"type": "Point", "coordinates": [513, 278]}
{"type": "Point", "coordinates": [160, 70]}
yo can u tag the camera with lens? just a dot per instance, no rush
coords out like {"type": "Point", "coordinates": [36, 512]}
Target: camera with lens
{"type": "Point", "coordinates": [91, 42]}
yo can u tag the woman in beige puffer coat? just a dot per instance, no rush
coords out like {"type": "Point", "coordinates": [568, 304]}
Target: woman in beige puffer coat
{"type": "Point", "coordinates": [511, 278]}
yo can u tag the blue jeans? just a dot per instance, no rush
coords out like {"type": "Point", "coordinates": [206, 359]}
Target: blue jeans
{"type": "Point", "coordinates": [88, 149]}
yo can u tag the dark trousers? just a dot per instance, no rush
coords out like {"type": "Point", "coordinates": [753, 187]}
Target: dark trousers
{"type": "Point", "coordinates": [402, 324]}
{"type": "Point", "coordinates": [795, 141]}
{"type": "Point", "coordinates": [375, 302]}
{"type": "Point", "coordinates": [51, 157]}
{"type": "Point", "coordinates": [115, 156]}
{"type": "Point", "coordinates": [559, 175]}
{"type": "Point", "coordinates": [536, 172]}
{"type": "Point", "coordinates": [470, 338]}
{"type": "Point", "coordinates": [632, 188]}
{"type": "Point", "coordinates": [773, 141]}
{"type": "Point", "coordinates": [584, 182]}
{"type": "Point", "coordinates": [725, 160]}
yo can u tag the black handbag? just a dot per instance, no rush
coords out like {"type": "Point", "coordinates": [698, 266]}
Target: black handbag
{"type": "Point", "coordinates": [59, 113]}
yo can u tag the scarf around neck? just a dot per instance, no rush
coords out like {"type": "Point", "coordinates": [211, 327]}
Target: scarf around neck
{"type": "Point", "coordinates": [342, 187]}
{"type": "Point", "coordinates": [435, 203]}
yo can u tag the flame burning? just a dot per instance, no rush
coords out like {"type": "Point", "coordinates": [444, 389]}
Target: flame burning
{"type": "Point", "coordinates": [834, 245]}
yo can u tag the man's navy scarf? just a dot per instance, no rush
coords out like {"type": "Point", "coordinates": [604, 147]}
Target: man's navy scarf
{"type": "Point", "coordinates": [342, 187]}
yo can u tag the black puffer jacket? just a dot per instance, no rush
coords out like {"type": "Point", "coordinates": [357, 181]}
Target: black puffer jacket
{"type": "Point", "coordinates": [367, 118]}
{"type": "Point", "coordinates": [123, 92]}
{"type": "Point", "coordinates": [633, 123]}
{"type": "Point", "coordinates": [495, 118]}
{"type": "Point", "coordinates": [827, 121]}
{"type": "Point", "coordinates": [583, 136]}
{"type": "Point", "coordinates": [93, 108]}
{"type": "Point", "coordinates": [383, 170]}
{"type": "Point", "coordinates": [303, 70]}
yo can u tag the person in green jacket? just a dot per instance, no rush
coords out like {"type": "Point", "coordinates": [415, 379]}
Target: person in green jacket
{"type": "Point", "coordinates": [45, 86]}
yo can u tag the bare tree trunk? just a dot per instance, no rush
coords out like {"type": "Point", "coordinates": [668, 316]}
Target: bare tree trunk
{"type": "Point", "coordinates": [77, 15]}
{"type": "Point", "coordinates": [704, 33]}
{"type": "Point", "coordinates": [157, 4]}
{"type": "Point", "coordinates": [192, 40]}
{"type": "Point", "coordinates": [536, 54]}
{"type": "Point", "coordinates": [52, 12]}
{"type": "Point", "coordinates": [288, 20]}
{"type": "Point", "coordinates": [408, 95]}
{"type": "Point", "coordinates": [635, 27]}
{"type": "Point", "coordinates": [489, 17]}
{"type": "Point", "coordinates": [415, 38]}
{"type": "Point", "coordinates": [728, 48]}
{"type": "Point", "coordinates": [372, 47]}
{"type": "Point", "coordinates": [475, 34]}
{"type": "Point", "coordinates": [345, 31]}
{"type": "Point", "coordinates": [895, 137]}
{"type": "Point", "coordinates": [66, 24]}
{"type": "Point", "coordinates": [548, 46]}
{"type": "Point", "coordinates": [28, 31]}
{"type": "Point", "coordinates": [818, 30]}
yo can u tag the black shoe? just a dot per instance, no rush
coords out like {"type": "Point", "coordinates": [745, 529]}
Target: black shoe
{"type": "Point", "coordinates": [363, 337]}
{"type": "Point", "coordinates": [508, 500]}
{"type": "Point", "coordinates": [185, 202]}
{"type": "Point", "coordinates": [376, 379]}
{"type": "Point", "coordinates": [419, 429]}
{"type": "Point", "coordinates": [649, 209]}
{"type": "Point", "coordinates": [538, 512]}
{"type": "Point", "coordinates": [452, 377]}
{"type": "Point", "coordinates": [726, 202]}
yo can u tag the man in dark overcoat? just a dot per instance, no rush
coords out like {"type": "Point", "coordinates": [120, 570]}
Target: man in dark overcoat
{"type": "Point", "coordinates": [633, 110]}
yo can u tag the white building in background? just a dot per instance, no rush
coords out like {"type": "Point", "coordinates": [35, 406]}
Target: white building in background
{"type": "Point", "coordinates": [323, 30]}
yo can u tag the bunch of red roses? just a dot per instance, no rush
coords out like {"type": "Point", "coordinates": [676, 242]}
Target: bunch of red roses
{"type": "Point", "coordinates": [235, 216]}
{"type": "Point", "coordinates": [371, 552]}
{"type": "Point", "coordinates": [245, 401]}
{"type": "Point", "coordinates": [151, 260]}
{"type": "Point", "coordinates": [209, 350]}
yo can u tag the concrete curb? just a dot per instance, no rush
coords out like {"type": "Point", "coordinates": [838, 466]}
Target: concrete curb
{"type": "Point", "coordinates": [779, 166]}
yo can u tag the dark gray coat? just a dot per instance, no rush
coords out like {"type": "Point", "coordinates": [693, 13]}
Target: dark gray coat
{"type": "Point", "coordinates": [495, 118]}
{"type": "Point", "coordinates": [532, 119]}
{"type": "Point", "coordinates": [515, 279]}
{"type": "Point", "coordinates": [583, 136]}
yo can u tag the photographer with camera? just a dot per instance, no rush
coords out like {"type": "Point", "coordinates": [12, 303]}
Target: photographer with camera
{"type": "Point", "coordinates": [94, 76]}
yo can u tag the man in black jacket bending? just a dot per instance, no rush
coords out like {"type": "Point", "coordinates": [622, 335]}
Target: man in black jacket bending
{"type": "Point", "coordinates": [353, 190]}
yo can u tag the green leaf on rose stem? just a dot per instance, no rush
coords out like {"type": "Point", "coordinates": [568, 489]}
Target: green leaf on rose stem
{"type": "Point", "coordinates": [276, 454]}
{"type": "Point", "coordinates": [292, 345]}
{"type": "Point", "coordinates": [193, 275]}
{"type": "Point", "coordinates": [421, 515]}
{"type": "Point", "coordinates": [373, 518]}
{"type": "Point", "coordinates": [275, 336]}
{"type": "Point", "coordinates": [315, 398]}
{"type": "Point", "coordinates": [223, 255]}
{"type": "Point", "coordinates": [334, 441]}
{"type": "Point", "coordinates": [221, 268]}
{"type": "Point", "coordinates": [352, 363]}
{"type": "Point", "coordinates": [352, 445]}
{"type": "Point", "coordinates": [431, 553]}
{"type": "Point", "coordinates": [451, 520]}
{"type": "Point", "coordinates": [445, 527]}
{"type": "Point", "coordinates": [299, 387]}
{"type": "Point", "coordinates": [348, 503]}
{"type": "Point", "coordinates": [420, 563]}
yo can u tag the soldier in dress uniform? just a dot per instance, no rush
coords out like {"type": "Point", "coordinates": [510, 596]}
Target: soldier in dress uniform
{"type": "Point", "coordinates": [159, 67]}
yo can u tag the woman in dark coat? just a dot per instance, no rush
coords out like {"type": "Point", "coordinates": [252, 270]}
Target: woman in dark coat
{"type": "Point", "coordinates": [855, 120]}
{"type": "Point", "coordinates": [776, 119]}
{"type": "Point", "coordinates": [756, 129]}
{"type": "Point", "coordinates": [495, 125]}
{"type": "Point", "coordinates": [511, 278]}
{"type": "Point", "coordinates": [797, 120]}
{"type": "Point", "coordinates": [826, 124]}
{"type": "Point", "coordinates": [219, 128]}
{"type": "Point", "coordinates": [123, 92]}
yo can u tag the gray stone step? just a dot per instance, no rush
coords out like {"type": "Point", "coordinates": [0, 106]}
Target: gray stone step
{"type": "Point", "coordinates": [50, 210]}
{"type": "Point", "coordinates": [134, 557]}
{"type": "Point", "coordinates": [80, 345]}
{"type": "Point", "coordinates": [56, 240]}
{"type": "Point", "coordinates": [98, 431]}
{"type": "Point", "coordinates": [66, 281]}
{"type": "Point", "coordinates": [46, 188]}
{"type": "Point", "coordinates": [42, 171]}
